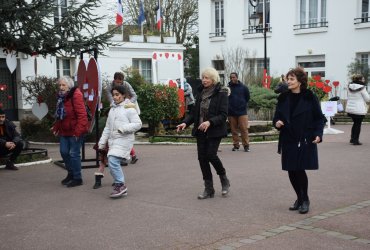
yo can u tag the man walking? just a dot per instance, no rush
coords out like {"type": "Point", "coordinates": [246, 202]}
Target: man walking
{"type": "Point", "coordinates": [10, 141]}
{"type": "Point", "coordinates": [238, 118]}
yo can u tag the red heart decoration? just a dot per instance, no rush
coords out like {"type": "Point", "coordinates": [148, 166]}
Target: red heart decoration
{"type": "Point", "coordinates": [179, 57]}
{"type": "Point", "coordinates": [336, 83]}
{"type": "Point", "coordinates": [155, 56]}
{"type": "Point", "coordinates": [89, 75]}
{"type": "Point", "coordinates": [173, 55]}
{"type": "Point", "coordinates": [160, 55]}
{"type": "Point", "coordinates": [327, 81]}
{"type": "Point", "coordinates": [167, 55]}
{"type": "Point", "coordinates": [172, 84]}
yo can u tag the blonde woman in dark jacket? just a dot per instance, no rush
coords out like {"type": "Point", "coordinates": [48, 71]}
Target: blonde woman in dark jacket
{"type": "Point", "coordinates": [356, 106]}
{"type": "Point", "coordinates": [209, 117]}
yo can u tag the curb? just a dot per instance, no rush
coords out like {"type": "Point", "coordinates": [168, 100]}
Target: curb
{"type": "Point", "coordinates": [30, 163]}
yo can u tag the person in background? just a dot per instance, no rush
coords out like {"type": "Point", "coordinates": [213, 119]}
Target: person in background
{"type": "Point", "coordinates": [299, 119]}
{"type": "Point", "coordinates": [209, 117]}
{"type": "Point", "coordinates": [71, 124]}
{"type": "Point", "coordinates": [237, 112]}
{"type": "Point", "coordinates": [11, 143]}
{"type": "Point", "coordinates": [188, 94]}
{"type": "Point", "coordinates": [119, 79]}
{"type": "Point", "coordinates": [118, 136]}
{"type": "Point", "coordinates": [356, 106]}
{"type": "Point", "coordinates": [282, 86]}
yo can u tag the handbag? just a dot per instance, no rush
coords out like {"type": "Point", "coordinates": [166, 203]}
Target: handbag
{"type": "Point", "coordinates": [340, 107]}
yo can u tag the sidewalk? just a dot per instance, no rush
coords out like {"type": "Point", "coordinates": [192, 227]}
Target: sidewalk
{"type": "Point", "coordinates": [161, 210]}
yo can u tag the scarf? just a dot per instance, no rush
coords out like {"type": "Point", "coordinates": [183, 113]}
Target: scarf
{"type": "Point", "coordinates": [204, 103]}
{"type": "Point", "coordinates": [60, 112]}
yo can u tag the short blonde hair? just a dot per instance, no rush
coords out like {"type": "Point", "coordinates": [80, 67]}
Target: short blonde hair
{"type": "Point", "coordinates": [212, 74]}
{"type": "Point", "coordinates": [68, 80]}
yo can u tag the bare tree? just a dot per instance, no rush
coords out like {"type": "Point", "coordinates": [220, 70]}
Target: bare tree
{"type": "Point", "coordinates": [179, 17]}
{"type": "Point", "coordinates": [235, 60]}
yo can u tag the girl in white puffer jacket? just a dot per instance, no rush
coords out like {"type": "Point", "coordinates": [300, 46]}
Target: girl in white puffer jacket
{"type": "Point", "coordinates": [123, 121]}
{"type": "Point", "coordinates": [356, 105]}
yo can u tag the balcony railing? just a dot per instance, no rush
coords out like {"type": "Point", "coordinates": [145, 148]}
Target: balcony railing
{"type": "Point", "coordinates": [256, 29]}
{"type": "Point", "coordinates": [217, 34]}
{"type": "Point", "coordinates": [365, 18]}
{"type": "Point", "coordinates": [310, 25]}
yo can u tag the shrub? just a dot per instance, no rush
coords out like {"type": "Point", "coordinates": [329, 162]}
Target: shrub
{"type": "Point", "coordinates": [261, 98]}
{"type": "Point", "coordinates": [157, 102]}
{"type": "Point", "coordinates": [42, 89]}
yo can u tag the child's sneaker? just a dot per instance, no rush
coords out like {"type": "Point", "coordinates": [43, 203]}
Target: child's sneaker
{"type": "Point", "coordinates": [118, 190]}
{"type": "Point", "coordinates": [134, 159]}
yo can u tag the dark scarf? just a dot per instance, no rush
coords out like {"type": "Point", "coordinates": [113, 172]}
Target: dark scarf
{"type": "Point", "coordinates": [60, 112]}
{"type": "Point", "coordinates": [204, 103]}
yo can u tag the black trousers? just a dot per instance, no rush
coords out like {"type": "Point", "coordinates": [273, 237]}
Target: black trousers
{"type": "Point", "coordinates": [207, 153]}
{"type": "Point", "coordinates": [356, 127]}
{"type": "Point", "coordinates": [14, 153]}
{"type": "Point", "coordinates": [299, 181]}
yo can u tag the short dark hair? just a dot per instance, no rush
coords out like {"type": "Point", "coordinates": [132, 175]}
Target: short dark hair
{"type": "Point", "coordinates": [119, 75]}
{"type": "Point", "coordinates": [301, 76]}
{"type": "Point", "coordinates": [2, 112]}
{"type": "Point", "coordinates": [234, 73]}
{"type": "Point", "coordinates": [121, 89]}
{"type": "Point", "coordinates": [356, 77]}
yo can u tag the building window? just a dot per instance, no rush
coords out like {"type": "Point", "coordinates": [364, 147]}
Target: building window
{"type": "Point", "coordinates": [363, 16]}
{"type": "Point", "coordinates": [219, 65]}
{"type": "Point", "coordinates": [64, 67]}
{"type": "Point", "coordinates": [364, 59]}
{"type": "Point", "coordinates": [218, 19]}
{"type": "Point", "coordinates": [144, 66]}
{"type": "Point", "coordinates": [256, 66]}
{"type": "Point", "coordinates": [259, 11]}
{"type": "Point", "coordinates": [312, 14]}
{"type": "Point", "coordinates": [313, 65]}
{"type": "Point", "coordinates": [59, 10]}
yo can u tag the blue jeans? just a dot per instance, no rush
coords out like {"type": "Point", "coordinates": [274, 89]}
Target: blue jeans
{"type": "Point", "coordinates": [70, 151]}
{"type": "Point", "coordinates": [116, 171]}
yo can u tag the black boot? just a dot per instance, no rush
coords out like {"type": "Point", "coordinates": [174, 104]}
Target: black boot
{"type": "Point", "coordinates": [209, 191]}
{"type": "Point", "coordinates": [74, 183]}
{"type": "Point", "coordinates": [225, 183]}
{"type": "Point", "coordinates": [67, 179]}
{"type": "Point", "coordinates": [305, 207]}
{"type": "Point", "coordinates": [98, 177]}
{"type": "Point", "coordinates": [297, 204]}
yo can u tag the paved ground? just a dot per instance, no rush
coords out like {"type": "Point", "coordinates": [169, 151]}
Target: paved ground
{"type": "Point", "coordinates": [161, 210]}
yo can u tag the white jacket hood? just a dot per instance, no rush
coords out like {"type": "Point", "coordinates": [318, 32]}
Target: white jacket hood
{"type": "Point", "coordinates": [355, 87]}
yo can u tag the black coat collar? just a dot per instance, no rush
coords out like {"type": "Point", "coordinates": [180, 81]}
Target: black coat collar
{"type": "Point", "coordinates": [302, 106]}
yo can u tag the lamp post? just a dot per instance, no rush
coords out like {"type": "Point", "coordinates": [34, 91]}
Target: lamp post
{"type": "Point", "coordinates": [255, 19]}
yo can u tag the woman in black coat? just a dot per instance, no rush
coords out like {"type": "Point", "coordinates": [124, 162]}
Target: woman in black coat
{"type": "Point", "coordinates": [300, 120]}
{"type": "Point", "coordinates": [209, 117]}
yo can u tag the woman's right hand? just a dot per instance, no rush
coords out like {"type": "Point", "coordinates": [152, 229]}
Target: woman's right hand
{"type": "Point", "coordinates": [279, 124]}
{"type": "Point", "coordinates": [181, 127]}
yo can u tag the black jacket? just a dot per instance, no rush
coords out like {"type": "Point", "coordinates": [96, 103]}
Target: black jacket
{"type": "Point", "coordinates": [217, 113]}
{"type": "Point", "coordinates": [10, 133]}
{"type": "Point", "coordinates": [299, 130]}
{"type": "Point", "coordinates": [238, 99]}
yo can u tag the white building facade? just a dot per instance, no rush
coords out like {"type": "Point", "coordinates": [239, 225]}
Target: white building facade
{"type": "Point", "coordinates": [323, 36]}
{"type": "Point", "coordinates": [131, 53]}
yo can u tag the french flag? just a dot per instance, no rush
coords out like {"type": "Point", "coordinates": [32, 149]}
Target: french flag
{"type": "Point", "coordinates": [119, 16]}
{"type": "Point", "coordinates": [159, 16]}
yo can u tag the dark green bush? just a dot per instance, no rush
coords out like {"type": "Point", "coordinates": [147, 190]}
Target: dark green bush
{"type": "Point", "coordinates": [262, 98]}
